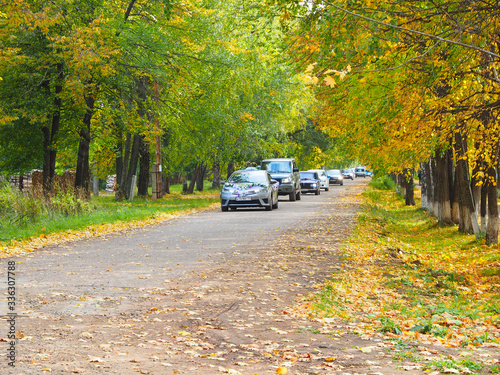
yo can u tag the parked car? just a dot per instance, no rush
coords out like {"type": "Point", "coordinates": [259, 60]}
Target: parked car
{"type": "Point", "coordinates": [360, 172]}
{"type": "Point", "coordinates": [325, 181]}
{"type": "Point", "coordinates": [348, 174]}
{"type": "Point", "coordinates": [335, 177]}
{"type": "Point", "coordinates": [310, 182]}
{"type": "Point", "coordinates": [286, 172]}
{"type": "Point", "coordinates": [249, 189]}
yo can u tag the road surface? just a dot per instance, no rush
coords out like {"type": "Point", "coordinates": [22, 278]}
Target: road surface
{"type": "Point", "coordinates": [208, 293]}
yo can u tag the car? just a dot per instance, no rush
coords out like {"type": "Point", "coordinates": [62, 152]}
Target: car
{"type": "Point", "coordinates": [335, 177]}
{"type": "Point", "coordinates": [360, 172]}
{"type": "Point", "coordinates": [348, 174]}
{"type": "Point", "coordinates": [286, 172]}
{"type": "Point", "coordinates": [249, 189]}
{"type": "Point", "coordinates": [325, 181]}
{"type": "Point", "coordinates": [310, 182]}
{"type": "Point", "coordinates": [368, 174]}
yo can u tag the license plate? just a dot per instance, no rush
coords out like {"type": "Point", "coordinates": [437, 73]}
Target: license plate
{"type": "Point", "coordinates": [243, 198]}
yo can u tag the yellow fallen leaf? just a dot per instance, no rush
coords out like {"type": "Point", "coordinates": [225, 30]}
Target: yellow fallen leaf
{"type": "Point", "coordinates": [183, 333]}
{"type": "Point", "coordinates": [367, 349]}
{"type": "Point", "coordinates": [329, 359]}
{"type": "Point", "coordinates": [281, 370]}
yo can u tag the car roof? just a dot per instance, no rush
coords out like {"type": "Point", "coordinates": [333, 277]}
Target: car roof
{"type": "Point", "coordinates": [256, 171]}
{"type": "Point", "coordinates": [279, 159]}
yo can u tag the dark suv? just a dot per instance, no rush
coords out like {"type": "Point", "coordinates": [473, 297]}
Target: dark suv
{"type": "Point", "coordinates": [285, 171]}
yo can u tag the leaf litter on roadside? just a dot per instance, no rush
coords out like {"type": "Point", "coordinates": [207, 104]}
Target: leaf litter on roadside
{"type": "Point", "coordinates": [404, 277]}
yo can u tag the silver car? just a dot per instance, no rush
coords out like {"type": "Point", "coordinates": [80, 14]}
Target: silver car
{"type": "Point", "coordinates": [323, 177]}
{"type": "Point", "coordinates": [249, 189]}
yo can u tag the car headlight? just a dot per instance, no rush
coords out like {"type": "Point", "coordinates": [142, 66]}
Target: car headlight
{"type": "Point", "coordinates": [255, 191]}
{"type": "Point", "coordinates": [286, 180]}
{"type": "Point", "coordinates": [229, 190]}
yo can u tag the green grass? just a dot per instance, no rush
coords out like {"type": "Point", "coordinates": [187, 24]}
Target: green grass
{"type": "Point", "coordinates": [27, 217]}
{"type": "Point", "coordinates": [408, 276]}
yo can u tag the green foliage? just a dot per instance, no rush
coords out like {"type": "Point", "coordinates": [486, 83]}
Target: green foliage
{"type": "Point", "coordinates": [21, 210]}
{"type": "Point", "coordinates": [388, 325]}
{"type": "Point", "coordinates": [69, 204]}
{"type": "Point", "coordinates": [443, 365]}
{"type": "Point", "coordinates": [383, 183]}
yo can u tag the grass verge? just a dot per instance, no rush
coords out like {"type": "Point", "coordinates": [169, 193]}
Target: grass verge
{"type": "Point", "coordinates": [35, 225]}
{"type": "Point", "coordinates": [408, 278]}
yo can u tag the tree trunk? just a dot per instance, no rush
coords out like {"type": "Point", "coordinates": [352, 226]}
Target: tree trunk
{"type": "Point", "coordinates": [427, 180]}
{"type": "Point", "coordinates": [434, 211]}
{"type": "Point", "coordinates": [122, 167]}
{"type": "Point", "coordinates": [21, 182]}
{"type": "Point", "coordinates": [201, 177]}
{"type": "Point", "coordinates": [475, 181]}
{"type": "Point", "coordinates": [132, 168]}
{"type": "Point", "coordinates": [190, 188]}
{"type": "Point", "coordinates": [50, 133]}
{"type": "Point", "coordinates": [493, 221]}
{"type": "Point", "coordinates": [468, 217]}
{"type": "Point", "coordinates": [423, 186]}
{"type": "Point", "coordinates": [143, 183]}
{"type": "Point", "coordinates": [82, 178]}
{"type": "Point", "coordinates": [484, 206]}
{"type": "Point", "coordinates": [166, 185]}
{"type": "Point", "coordinates": [216, 173]}
{"type": "Point", "coordinates": [455, 207]}
{"type": "Point", "coordinates": [401, 184]}
{"type": "Point", "coordinates": [443, 192]}
{"type": "Point", "coordinates": [409, 191]}
{"type": "Point", "coordinates": [230, 169]}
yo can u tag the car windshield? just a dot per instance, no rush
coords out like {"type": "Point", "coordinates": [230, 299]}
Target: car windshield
{"type": "Point", "coordinates": [277, 166]}
{"type": "Point", "coordinates": [245, 177]}
{"type": "Point", "coordinates": [334, 172]}
{"type": "Point", "coordinates": [307, 175]}
{"type": "Point", "coordinates": [321, 172]}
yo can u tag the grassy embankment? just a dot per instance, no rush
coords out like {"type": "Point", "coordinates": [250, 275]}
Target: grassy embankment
{"type": "Point", "coordinates": [27, 222]}
{"type": "Point", "coordinates": [406, 277]}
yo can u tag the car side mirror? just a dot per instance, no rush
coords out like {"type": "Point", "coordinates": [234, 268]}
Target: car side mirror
{"type": "Point", "coordinates": [274, 182]}
{"type": "Point", "coordinates": [295, 170]}
{"type": "Point", "coordinates": [222, 182]}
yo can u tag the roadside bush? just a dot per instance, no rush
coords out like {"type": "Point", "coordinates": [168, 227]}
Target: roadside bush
{"type": "Point", "coordinates": [68, 203]}
{"type": "Point", "coordinates": [21, 208]}
{"type": "Point", "coordinates": [17, 207]}
{"type": "Point", "coordinates": [383, 183]}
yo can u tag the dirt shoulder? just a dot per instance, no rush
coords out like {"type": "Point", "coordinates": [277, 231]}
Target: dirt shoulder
{"type": "Point", "coordinates": [233, 316]}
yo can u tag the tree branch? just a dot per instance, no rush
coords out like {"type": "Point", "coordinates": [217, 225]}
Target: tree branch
{"type": "Point", "coordinates": [435, 37]}
{"type": "Point", "coordinates": [400, 65]}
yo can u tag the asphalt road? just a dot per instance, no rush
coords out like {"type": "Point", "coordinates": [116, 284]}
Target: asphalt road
{"type": "Point", "coordinates": [146, 257]}
{"type": "Point", "coordinates": [81, 283]}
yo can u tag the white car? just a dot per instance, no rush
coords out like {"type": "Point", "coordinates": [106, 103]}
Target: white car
{"type": "Point", "coordinates": [323, 177]}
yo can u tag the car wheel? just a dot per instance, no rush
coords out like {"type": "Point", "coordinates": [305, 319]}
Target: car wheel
{"type": "Point", "coordinates": [298, 195]}
{"type": "Point", "coordinates": [223, 209]}
{"type": "Point", "coordinates": [327, 189]}
{"type": "Point", "coordinates": [317, 192]}
{"type": "Point", "coordinates": [275, 206]}
{"type": "Point", "coordinates": [341, 183]}
{"type": "Point", "coordinates": [293, 197]}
